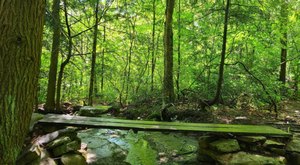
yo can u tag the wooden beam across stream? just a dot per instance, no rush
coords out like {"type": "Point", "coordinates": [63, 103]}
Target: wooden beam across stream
{"type": "Point", "coordinates": [140, 125]}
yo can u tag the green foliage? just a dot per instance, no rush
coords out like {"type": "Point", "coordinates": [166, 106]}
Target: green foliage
{"type": "Point", "coordinates": [124, 57]}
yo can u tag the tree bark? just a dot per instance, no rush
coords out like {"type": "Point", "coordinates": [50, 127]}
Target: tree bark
{"type": "Point", "coordinates": [66, 61]}
{"type": "Point", "coordinates": [50, 100]}
{"type": "Point", "coordinates": [222, 62]}
{"type": "Point", "coordinates": [21, 29]}
{"type": "Point", "coordinates": [178, 51]}
{"type": "Point", "coordinates": [283, 41]}
{"type": "Point", "coordinates": [94, 54]}
{"type": "Point", "coordinates": [153, 61]}
{"type": "Point", "coordinates": [168, 91]}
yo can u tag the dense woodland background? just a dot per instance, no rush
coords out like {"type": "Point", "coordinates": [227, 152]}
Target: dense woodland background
{"type": "Point", "coordinates": [113, 51]}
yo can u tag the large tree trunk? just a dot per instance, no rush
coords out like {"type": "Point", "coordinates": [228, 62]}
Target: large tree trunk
{"type": "Point", "coordinates": [94, 54]}
{"type": "Point", "coordinates": [168, 91]}
{"type": "Point", "coordinates": [50, 100]}
{"type": "Point", "coordinates": [21, 27]}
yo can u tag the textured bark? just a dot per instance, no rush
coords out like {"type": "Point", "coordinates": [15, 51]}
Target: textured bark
{"type": "Point", "coordinates": [21, 27]}
{"type": "Point", "coordinates": [50, 100]}
{"type": "Point", "coordinates": [66, 61]}
{"type": "Point", "coordinates": [216, 99]}
{"type": "Point", "coordinates": [283, 40]}
{"type": "Point", "coordinates": [153, 61]}
{"type": "Point", "coordinates": [168, 91]}
{"type": "Point", "coordinates": [94, 54]}
{"type": "Point", "coordinates": [178, 51]}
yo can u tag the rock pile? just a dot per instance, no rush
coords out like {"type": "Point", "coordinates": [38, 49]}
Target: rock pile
{"type": "Point", "coordinates": [256, 150]}
{"type": "Point", "coordinates": [59, 147]}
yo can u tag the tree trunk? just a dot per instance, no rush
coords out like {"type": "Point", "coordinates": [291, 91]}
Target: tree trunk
{"type": "Point", "coordinates": [94, 54]}
{"type": "Point", "coordinates": [50, 100]}
{"type": "Point", "coordinates": [153, 46]}
{"type": "Point", "coordinates": [283, 40]}
{"type": "Point", "coordinates": [178, 51]}
{"type": "Point", "coordinates": [222, 62]}
{"type": "Point", "coordinates": [21, 29]}
{"type": "Point", "coordinates": [168, 91]}
{"type": "Point", "coordinates": [102, 60]}
{"type": "Point", "coordinates": [66, 61]}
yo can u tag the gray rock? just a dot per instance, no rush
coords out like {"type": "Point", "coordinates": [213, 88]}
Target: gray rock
{"type": "Point", "coordinates": [73, 159]}
{"type": "Point", "coordinates": [294, 145]}
{"type": "Point", "coordinates": [225, 145]}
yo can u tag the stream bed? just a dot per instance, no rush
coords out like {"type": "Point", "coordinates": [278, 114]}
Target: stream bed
{"type": "Point", "coordinates": [119, 147]}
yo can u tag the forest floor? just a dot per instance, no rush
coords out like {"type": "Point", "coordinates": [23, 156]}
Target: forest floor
{"type": "Point", "coordinates": [288, 113]}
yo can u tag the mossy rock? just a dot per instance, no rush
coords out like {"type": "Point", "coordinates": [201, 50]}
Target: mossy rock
{"type": "Point", "coordinates": [294, 145]}
{"type": "Point", "coordinates": [252, 139]}
{"type": "Point", "coordinates": [73, 159]}
{"type": "Point", "coordinates": [225, 145]}
{"type": "Point", "coordinates": [249, 159]}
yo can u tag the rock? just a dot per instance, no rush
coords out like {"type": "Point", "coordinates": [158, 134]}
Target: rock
{"type": "Point", "coordinates": [62, 149]}
{"type": "Point", "coordinates": [249, 159]}
{"type": "Point", "coordinates": [204, 141]}
{"type": "Point", "coordinates": [252, 139]}
{"type": "Point", "coordinates": [93, 111]}
{"type": "Point", "coordinates": [28, 155]}
{"type": "Point", "coordinates": [73, 159]}
{"type": "Point", "coordinates": [273, 144]}
{"type": "Point", "coordinates": [293, 158]}
{"type": "Point", "coordinates": [59, 141]}
{"type": "Point", "coordinates": [225, 145]}
{"type": "Point", "coordinates": [294, 145]}
{"type": "Point", "coordinates": [34, 118]}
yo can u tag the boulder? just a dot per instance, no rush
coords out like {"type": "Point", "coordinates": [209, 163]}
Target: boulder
{"type": "Point", "coordinates": [294, 145]}
{"type": "Point", "coordinates": [93, 111]}
{"type": "Point", "coordinates": [273, 144]}
{"type": "Point", "coordinates": [65, 148]}
{"type": "Point", "coordinates": [293, 158]}
{"type": "Point", "coordinates": [58, 142]}
{"type": "Point", "coordinates": [73, 159]}
{"type": "Point", "coordinates": [204, 141]}
{"type": "Point", "coordinates": [252, 139]}
{"type": "Point", "coordinates": [225, 145]}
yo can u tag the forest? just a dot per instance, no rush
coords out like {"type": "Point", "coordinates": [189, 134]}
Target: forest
{"type": "Point", "coordinates": [193, 61]}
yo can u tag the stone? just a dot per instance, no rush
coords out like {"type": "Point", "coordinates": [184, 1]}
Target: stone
{"type": "Point", "coordinates": [58, 142]}
{"type": "Point", "coordinates": [93, 111]}
{"type": "Point", "coordinates": [34, 118]}
{"type": "Point", "coordinates": [252, 139]}
{"type": "Point", "coordinates": [294, 145]}
{"type": "Point", "coordinates": [73, 159]}
{"type": "Point", "coordinates": [62, 149]}
{"type": "Point", "coordinates": [249, 159]}
{"type": "Point", "coordinates": [273, 144]}
{"type": "Point", "coordinates": [204, 141]}
{"type": "Point", "coordinates": [225, 145]}
{"type": "Point", "coordinates": [28, 155]}
{"type": "Point", "coordinates": [293, 158]}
